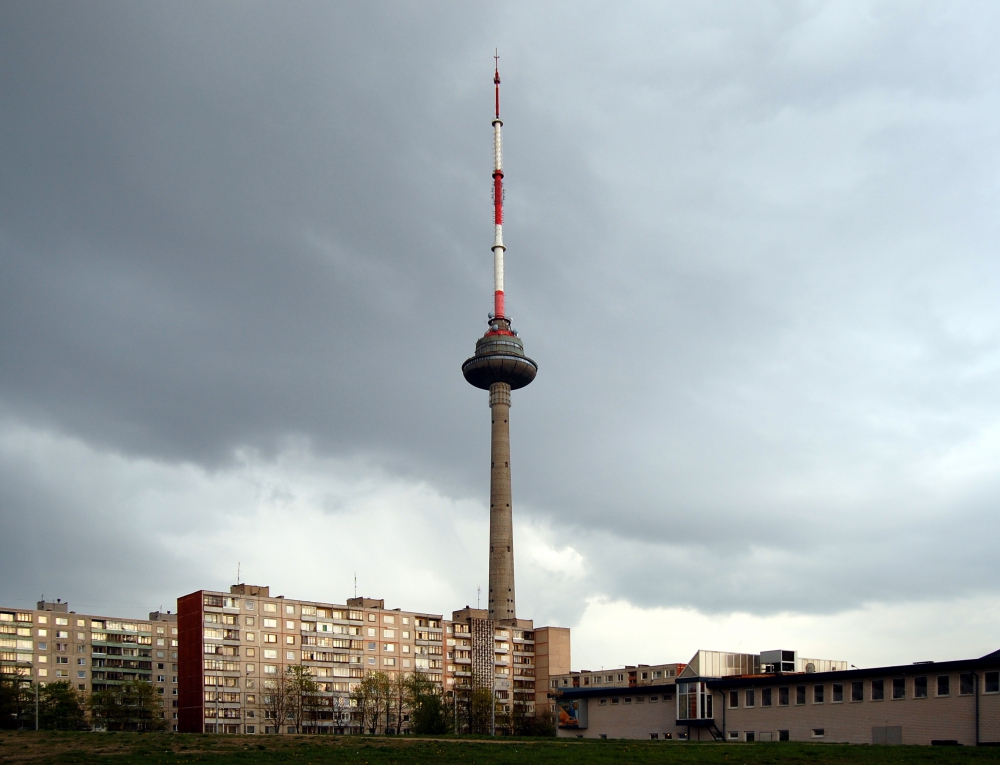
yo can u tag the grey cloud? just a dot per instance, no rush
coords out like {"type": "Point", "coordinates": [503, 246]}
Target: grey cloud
{"type": "Point", "coordinates": [751, 248]}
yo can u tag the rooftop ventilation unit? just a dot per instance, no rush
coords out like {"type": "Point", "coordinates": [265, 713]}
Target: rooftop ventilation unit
{"type": "Point", "coordinates": [778, 661]}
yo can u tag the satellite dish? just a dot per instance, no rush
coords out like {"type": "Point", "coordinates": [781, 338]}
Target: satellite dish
{"type": "Point", "coordinates": [810, 667]}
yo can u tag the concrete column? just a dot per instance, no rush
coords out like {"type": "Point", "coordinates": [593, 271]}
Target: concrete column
{"type": "Point", "coordinates": [501, 594]}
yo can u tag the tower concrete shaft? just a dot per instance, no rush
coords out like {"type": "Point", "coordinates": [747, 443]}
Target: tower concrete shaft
{"type": "Point", "coordinates": [501, 595]}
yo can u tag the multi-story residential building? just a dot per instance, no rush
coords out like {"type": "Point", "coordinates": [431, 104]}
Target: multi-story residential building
{"type": "Point", "coordinates": [165, 664]}
{"type": "Point", "coordinates": [50, 644]}
{"type": "Point", "coordinates": [512, 657]}
{"type": "Point", "coordinates": [234, 644]}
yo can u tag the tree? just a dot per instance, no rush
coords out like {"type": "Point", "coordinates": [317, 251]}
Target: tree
{"type": "Point", "coordinates": [303, 695]}
{"type": "Point", "coordinates": [373, 697]}
{"type": "Point", "coordinates": [400, 683]}
{"type": "Point", "coordinates": [132, 706]}
{"type": "Point", "coordinates": [427, 711]}
{"type": "Point", "coordinates": [277, 698]}
{"type": "Point", "coordinates": [17, 701]}
{"type": "Point", "coordinates": [60, 707]}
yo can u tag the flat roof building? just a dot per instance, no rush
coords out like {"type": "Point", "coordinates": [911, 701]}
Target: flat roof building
{"type": "Point", "coordinates": [50, 644]}
{"type": "Point", "coordinates": [778, 696]}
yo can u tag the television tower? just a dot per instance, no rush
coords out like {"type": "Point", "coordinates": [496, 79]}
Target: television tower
{"type": "Point", "coordinates": [500, 366]}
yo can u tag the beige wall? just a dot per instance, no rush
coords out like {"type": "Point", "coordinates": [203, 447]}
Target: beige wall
{"type": "Point", "coordinates": [552, 657]}
{"type": "Point", "coordinates": [922, 719]}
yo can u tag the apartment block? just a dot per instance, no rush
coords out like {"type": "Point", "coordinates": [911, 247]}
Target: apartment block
{"type": "Point", "coordinates": [50, 643]}
{"type": "Point", "coordinates": [779, 696]}
{"type": "Point", "coordinates": [233, 643]}
{"type": "Point", "coordinates": [513, 657]}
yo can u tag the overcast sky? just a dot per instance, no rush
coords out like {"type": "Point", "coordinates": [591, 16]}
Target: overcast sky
{"type": "Point", "coordinates": [244, 250]}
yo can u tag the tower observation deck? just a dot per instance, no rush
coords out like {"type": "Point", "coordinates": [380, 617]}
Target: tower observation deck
{"type": "Point", "coordinates": [500, 366]}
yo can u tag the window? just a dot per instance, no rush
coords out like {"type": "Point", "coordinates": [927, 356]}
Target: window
{"type": "Point", "coordinates": [818, 732]}
{"type": "Point", "coordinates": [878, 690]}
{"type": "Point", "coordinates": [837, 692]}
{"type": "Point", "coordinates": [290, 639]}
{"type": "Point", "coordinates": [248, 620]}
{"type": "Point", "coordinates": [290, 655]}
{"type": "Point", "coordinates": [654, 699]}
{"type": "Point", "coordinates": [270, 653]}
{"type": "Point", "coordinates": [749, 698]}
{"type": "Point", "coordinates": [371, 617]}
{"type": "Point", "coordinates": [372, 632]}
{"type": "Point", "coordinates": [783, 697]}
{"type": "Point", "coordinates": [899, 687]}
{"type": "Point", "coordinates": [603, 702]}
{"type": "Point", "coordinates": [920, 687]}
{"type": "Point", "coordinates": [765, 697]}
{"type": "Point", "coordinates": [371, 646]}
{"type": "Point", "coordinates": [250, 636]}
{"type": "Point", "coordinates": [857, 690]}
{"type": "Point", "coordinates": [992, 682]}
{"type": "Point", "coordinates": [371, 659]}
{"type": "Point", "coordinates": [734, 699]}
{"type": "Point", "coordinates": [748, 735]}
{"type": "Point", "coordinates": [388, 633]}
{"type": "Point", "coordinates": [271, 608]}
{"type": "Point", "coordinates": [965, 684]}
{"type": "Point", "coordinates": [614, 701]}
{"type": "Point", "coordinates": [289, 625]}
{"type": "Point", "coordinates": [734, 735]}
{"type": "Point", "coordinates": [269, 638]}
{"type": "Point", "coordinates": [800, 694]}
{"type": "Point", "coordinates": [782, 735]}
{"type": "Point", "coordinates": [818, 694]}
{"type": "Point", "coordinates": [389, 619]}
{"type": "Point", "coordinates": [272, 623]}
{"type": "Point", "coordinates": [290, 610]}
{"type": "Point", "coordinates": [944, 685]}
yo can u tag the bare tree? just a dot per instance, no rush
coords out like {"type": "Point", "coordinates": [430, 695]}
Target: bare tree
{"type": "Point", "coordinates": [400, 697]}
{"type": "Point", "coordinates": [277, 698]}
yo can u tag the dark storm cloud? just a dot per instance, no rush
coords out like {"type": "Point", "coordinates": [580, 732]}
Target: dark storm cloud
{"type": "Point", "coordinates": [751, 248]}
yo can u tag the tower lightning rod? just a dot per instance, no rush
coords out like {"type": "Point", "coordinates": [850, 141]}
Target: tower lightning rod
{"type": "Point", "coordinates": [498, 248]}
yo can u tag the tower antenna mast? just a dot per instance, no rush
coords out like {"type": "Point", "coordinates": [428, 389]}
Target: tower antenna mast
{"type": "Point", "coordinates": [499, 366]}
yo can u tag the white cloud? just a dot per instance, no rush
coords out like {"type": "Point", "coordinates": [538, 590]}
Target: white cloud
{"type": "Point", "coordinates": [615, 632]}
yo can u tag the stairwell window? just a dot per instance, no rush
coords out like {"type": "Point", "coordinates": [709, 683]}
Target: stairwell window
{"type": "Point", "coordinates": [734, 699]}
{"type": "Point", "coordinates": [920, 687]}
{"type": "Point", "coordinates": [765, 697]}
{"type": "Point", "coordinates": [818, 694]}
{"type": "Point", "coordinates": [800, 694]}
{"type": "Point", "coordinates": [899, 688]}
{"type": "Point", "coordinates": [783, 697]}
{"type": "Point", "coordinates": [944, 685]}
{"type": "Point", "coordinates": [750, 698]}
{"type": "Point", "coordinates": [837, 693]}
{"type": "Point", "coordinates": [858, 690]}
{"type": "Point", "coordinates": [878, 690]}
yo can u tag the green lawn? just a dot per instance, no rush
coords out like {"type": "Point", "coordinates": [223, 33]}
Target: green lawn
{"type": "Point", "coordinates": [364, 750]}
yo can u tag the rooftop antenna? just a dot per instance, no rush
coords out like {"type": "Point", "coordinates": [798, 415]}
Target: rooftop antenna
{"type": "Point", "coordinates": [355, 584]}
{"type": "Point", "coordinates": [237, 572]}
{"type": "Point", "coordinates": [478, 591]}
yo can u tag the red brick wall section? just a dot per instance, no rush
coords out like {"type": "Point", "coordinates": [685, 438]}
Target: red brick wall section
{"type": "Point", "coordinates": [191, 690]}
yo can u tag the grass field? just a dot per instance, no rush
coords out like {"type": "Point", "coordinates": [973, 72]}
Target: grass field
{"type": "Point", "coordinates": [362, 750]}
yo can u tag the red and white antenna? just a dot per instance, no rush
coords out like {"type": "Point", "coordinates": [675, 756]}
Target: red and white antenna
{"type": "Point", "coordinates": [498, 248]}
